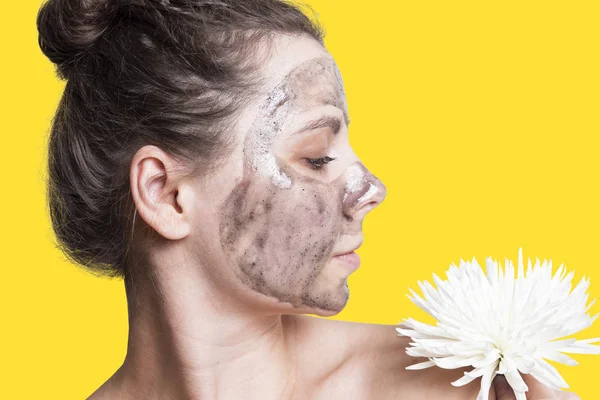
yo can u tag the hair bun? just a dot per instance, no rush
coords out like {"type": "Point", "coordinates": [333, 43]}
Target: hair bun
{"type": "Point", "coordinates": [67, 29]}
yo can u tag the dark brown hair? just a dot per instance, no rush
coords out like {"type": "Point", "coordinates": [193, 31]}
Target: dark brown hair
{"type": "Point", "coordinates": [171, 73]}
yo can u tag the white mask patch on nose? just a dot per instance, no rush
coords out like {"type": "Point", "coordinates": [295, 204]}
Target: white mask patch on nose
{"type": "Point", "coordinates": [355, 178]}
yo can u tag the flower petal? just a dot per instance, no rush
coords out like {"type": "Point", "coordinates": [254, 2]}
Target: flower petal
{"type": "Point", "coordinates": [486, 383]}
{"type": "Point", "coordinates": [421, 365]}
{"type": "Point", "coordinates": [548, 375]}
{"type": "Point", "coordinates": [515, 380]}
{"type": "Point", "coordinates": [464, 380]}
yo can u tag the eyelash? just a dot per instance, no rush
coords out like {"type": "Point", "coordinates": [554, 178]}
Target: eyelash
{"type": "Point", "coordinates": [318, 163]}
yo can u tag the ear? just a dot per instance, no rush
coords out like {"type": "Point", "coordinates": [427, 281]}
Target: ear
{"type": "Point", "coordinates": [161, 201]}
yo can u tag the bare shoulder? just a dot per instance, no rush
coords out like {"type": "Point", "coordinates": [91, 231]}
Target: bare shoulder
{"type": "Point", "coordinates": [383, 362]}
{"type": "Point", "coordinates": [374, 367]}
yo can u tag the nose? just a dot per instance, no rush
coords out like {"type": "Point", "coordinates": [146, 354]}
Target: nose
{"type": "Point", "coordinates": [363, 191]}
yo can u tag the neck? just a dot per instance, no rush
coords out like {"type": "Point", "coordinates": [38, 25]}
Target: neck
{"type": "Point", "coordinates": [185, 343]}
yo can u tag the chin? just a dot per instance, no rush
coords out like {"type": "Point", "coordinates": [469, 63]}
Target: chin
{"type": "Point", "coordinates": [331, 303]}
{"type": "Point", "coordinates": [326, 313]}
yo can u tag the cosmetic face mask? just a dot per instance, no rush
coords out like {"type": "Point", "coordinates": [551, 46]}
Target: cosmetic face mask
{"type": "Point", "coordinates": [279, 225]}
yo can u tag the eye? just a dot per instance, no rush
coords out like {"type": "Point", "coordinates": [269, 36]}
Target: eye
{"type": "Point", "coordinates": [318, 163]}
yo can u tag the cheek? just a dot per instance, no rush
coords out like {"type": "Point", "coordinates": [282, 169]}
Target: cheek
{"type": "Point", "coordinates": [303, 224]}
{"type": "Point", "coordinates": [279, 239]}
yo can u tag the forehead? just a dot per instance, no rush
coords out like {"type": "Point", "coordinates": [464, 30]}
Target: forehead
{"type": "Point", "coordinates": [301, 78]}
{"type": "Point", "coordinates": [316, 82]}
{"type": "Point", "coordinates": [301, 69]}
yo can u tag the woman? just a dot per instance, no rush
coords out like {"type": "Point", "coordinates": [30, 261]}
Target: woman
{"type": "Point", "coordinates": [200, 151]}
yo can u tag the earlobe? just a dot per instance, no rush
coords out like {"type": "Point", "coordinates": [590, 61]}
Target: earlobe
{"type": "Point", "coordinates": [159, 199]}
{"type": "Point", "coordinates": [171, 221]}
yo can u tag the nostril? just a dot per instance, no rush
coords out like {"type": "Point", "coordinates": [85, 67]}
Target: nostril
{"type": "Point", "coordinates": [363, 210]}
{"type": "Point", "coordinates": [369, 206]}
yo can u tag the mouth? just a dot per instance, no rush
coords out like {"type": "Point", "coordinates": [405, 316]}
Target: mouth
{"type": "Point", "coordinates": [348, 257]}
{"type": "Point", "coordinates": [351, 246]}
{"type": "Point", "coordinates": [351, 260]}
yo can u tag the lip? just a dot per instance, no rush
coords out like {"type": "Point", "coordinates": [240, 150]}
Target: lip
{"type": "Point", "coordinates": [351, 260]}
{"type": "Point", "coordinates": [357, 244]}
{"type": "Point", "coordinates": [348, 257]}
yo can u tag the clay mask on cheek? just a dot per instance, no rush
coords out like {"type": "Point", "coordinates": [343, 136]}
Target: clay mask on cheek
{"type": "Point", "coordinates": [279, 225]}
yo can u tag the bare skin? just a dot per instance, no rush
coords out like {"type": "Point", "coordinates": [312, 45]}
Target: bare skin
{"type": "Point", "coordinates": [229, 263]}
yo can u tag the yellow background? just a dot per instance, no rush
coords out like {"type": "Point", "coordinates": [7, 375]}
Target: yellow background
{"type": "Point", "coordinates": [482, 118]}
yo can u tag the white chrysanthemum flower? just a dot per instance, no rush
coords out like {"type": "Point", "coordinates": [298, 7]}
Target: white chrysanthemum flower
{"type": "Point", "coordinates": [501, 325]}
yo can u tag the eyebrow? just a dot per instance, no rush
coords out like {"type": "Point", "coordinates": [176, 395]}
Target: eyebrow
{"type": "Point", "coordinates": [332, 122]}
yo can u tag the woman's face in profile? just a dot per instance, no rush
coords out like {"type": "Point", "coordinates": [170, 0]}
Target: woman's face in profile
{"type": "Point", "coordinates": [294, 194]}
